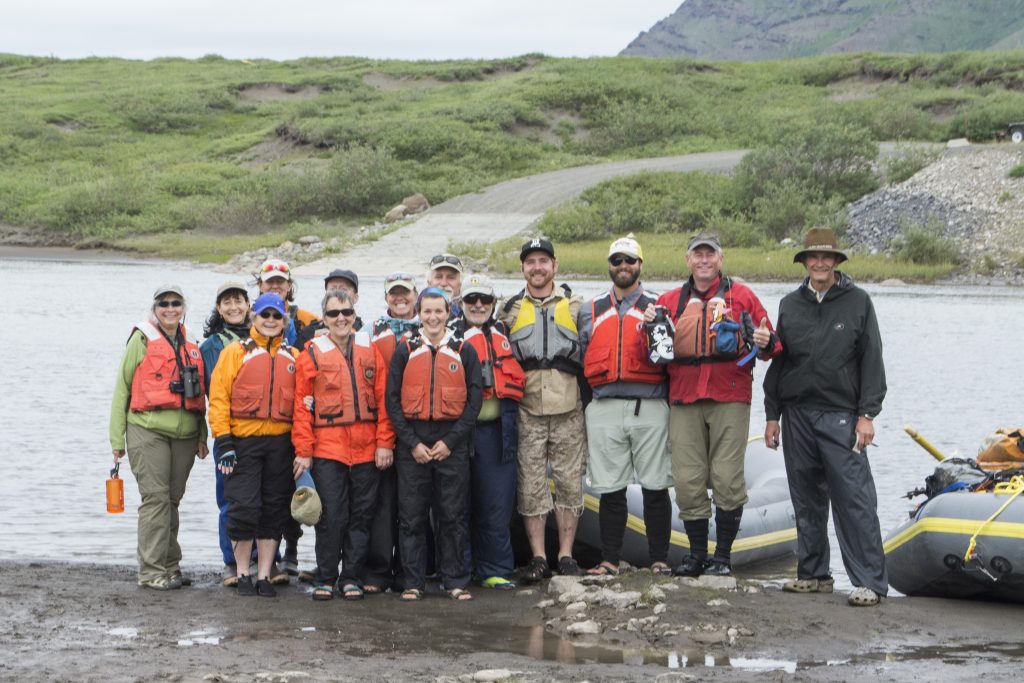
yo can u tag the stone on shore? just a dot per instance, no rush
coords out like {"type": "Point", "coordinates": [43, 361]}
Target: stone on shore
{"type": "Point", "coordinates": [416, 203]}
{"type": "Point", "coordinates": [584, 628]}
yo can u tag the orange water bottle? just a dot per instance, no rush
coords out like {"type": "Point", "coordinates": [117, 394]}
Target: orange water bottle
{"type": "Point", "coordinates": [115, 491]}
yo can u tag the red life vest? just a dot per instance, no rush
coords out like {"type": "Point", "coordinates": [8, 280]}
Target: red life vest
{"type": "Point", "coordinates": [694, 340]}
{"type": "Point", "coordinates": [265, 385]}
{"type": "Point", "coordinates": [386, 342]}
{"type": "Point", "coordinates": [493, 348]}
{"type": "Point", "coordinates": [151, 384]}
{"type": "Point", "coordinates": [343, 393]}
{"type": "Point", "coordinates": [434, 382]}
{"type": "Point", "coordinates": [617, 350]}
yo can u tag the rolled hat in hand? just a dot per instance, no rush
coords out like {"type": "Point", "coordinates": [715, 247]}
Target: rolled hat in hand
{"type": "Point", "coordinates": [306, 507]}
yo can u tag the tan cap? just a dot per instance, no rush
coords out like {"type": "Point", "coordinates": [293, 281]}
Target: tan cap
{"type": "Point", "coordinates": [627, 246]}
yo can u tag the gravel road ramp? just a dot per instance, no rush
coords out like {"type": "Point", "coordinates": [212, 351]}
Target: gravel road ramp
{"type": "Point", "coordinates": [497, 212]}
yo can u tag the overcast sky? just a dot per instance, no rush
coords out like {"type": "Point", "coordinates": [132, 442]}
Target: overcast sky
{"type": "Point", "coordinates": [286, 29]}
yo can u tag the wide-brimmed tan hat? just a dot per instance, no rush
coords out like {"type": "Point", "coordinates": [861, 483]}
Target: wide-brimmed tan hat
{"type": "Point", "coordinates": [820, 239]}
{"type": "Point", "coordinates": [306, 507]}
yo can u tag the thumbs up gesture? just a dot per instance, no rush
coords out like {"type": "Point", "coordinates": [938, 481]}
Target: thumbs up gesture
{"type": "Point", "coordinates": [762, 335]}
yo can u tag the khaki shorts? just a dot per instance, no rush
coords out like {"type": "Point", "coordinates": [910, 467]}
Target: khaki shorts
{"type": "Point", "coordinates": [558, 443]}
{"type": "Point", "coordinates": [626, 445]}
{"type": "Point", "coordinates": [708, 441]}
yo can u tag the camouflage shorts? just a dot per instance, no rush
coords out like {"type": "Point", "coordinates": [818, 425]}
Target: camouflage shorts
{"type": "Point", "coordinates": [558, 443]}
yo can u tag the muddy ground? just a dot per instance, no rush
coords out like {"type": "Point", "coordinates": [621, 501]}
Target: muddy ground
{"type": "Point", "coordinates": [92, 623]}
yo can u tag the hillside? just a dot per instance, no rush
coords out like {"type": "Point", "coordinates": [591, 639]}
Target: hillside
{"type": "Point", "coordinates": [751, 30]}
{"type": "Point", "coordinates": [210, 157]}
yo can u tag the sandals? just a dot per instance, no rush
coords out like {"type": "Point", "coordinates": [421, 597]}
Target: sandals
{"type": "Point", "coordinates": [863, 597]}
{"type": "Point", "coordinates": [661, 568]}
{"type": "Point", "coordinates": [604, 569]}
{"type": "Point", "coordinates": [535, 571]}
{"type": "Point", "coordinates": [372, 589]}
{"type": "Point", "coordinates": [351, 591]}
{"type": "Point", "coordinates": [567, 566]}
{"type": "Point", "coordinates": [498, 583]}
{"type": "Point", "coordinates": [322, 592]}
{"type": "Point", "coordinates": [460, 595]}
{"type": "Point", "coordinates": [411, 595]}
{"type": "Point", "coordinates": [825, 585]}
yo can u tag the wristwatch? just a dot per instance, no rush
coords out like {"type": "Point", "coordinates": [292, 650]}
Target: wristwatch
{"type": "Point", "coordinates": [868, 417]}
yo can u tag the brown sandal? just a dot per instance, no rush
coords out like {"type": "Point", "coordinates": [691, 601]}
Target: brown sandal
{"type": "Point", "coordinates": [604, 569]}
{"type": "Point", "coordinates": [460, 595]}
{"type": "Point", "coordinates": [411, 595]}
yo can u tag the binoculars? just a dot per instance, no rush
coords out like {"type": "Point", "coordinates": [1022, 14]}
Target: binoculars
{"type": "Point", "coordinates": [189, 384]}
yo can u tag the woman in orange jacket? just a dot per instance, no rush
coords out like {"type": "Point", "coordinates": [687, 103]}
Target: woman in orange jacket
{"type": "Point", "coordinates": [343, 433]}
{"type": "Point", "coordinates": [252, 397]}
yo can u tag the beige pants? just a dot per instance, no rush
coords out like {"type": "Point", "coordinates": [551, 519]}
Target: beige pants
{"type": "Point", "coordinates": [161, 466]}
{"type": "Point", "coordinates": [708, 441]}
{"type": "Point", "coordinates": [558, 443]}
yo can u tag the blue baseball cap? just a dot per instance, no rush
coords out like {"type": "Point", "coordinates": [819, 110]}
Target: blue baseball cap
{"type": "Point", "coordinates": [269, 300]}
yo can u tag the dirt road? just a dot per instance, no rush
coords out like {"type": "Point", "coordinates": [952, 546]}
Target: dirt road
{"type": "Point", "coordinates": [499, 211]}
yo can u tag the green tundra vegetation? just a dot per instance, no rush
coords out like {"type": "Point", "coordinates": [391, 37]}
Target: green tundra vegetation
{"type": "Point", "coordinates": [204, 157]}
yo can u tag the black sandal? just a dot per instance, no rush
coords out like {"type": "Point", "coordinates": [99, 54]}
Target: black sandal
{"type": "Point", "coordinates": [535, 571]}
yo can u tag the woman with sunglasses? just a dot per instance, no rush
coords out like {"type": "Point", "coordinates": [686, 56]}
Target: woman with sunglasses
{"type": "Point", "coordinates": [275, 276]}
{"type": "Point", "coordinates": [228, 322]}
{"type": "Point", "coordinates": [433, 399]}
{"type": "Point", "coordinates": [156, 415]}
{"type": "Point", "coordinates": [252, 398]}
{"type": "Point", "coordinates": [343, 433]}
{"type": "Point", "coordinates": [495, 438]}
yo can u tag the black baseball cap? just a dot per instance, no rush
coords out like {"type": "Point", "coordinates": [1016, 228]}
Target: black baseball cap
{"type": "Point", "coordinates": [343, 273]}
{"type": "Point", "coordinates": [537, 244]}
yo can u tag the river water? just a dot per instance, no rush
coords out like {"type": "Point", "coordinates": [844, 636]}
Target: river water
{"type": "Point", "coordinates": [952, 373]}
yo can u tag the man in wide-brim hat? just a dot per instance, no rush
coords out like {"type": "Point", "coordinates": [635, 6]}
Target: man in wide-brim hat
{"type": "Point", "coordinates": [827, 386]}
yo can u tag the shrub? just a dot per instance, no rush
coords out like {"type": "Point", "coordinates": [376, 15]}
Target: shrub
{"type": "Point", "coordinates": [1017, 171]}
{"type": "Point", "coordinates": [926, 245]}
{"type": "Point", "coordinates": [362, 179]}
{"type": "Point", "coordinates": [906, 162]}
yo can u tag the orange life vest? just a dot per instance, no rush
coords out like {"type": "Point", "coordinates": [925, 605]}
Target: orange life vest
{"type": "Point", "coordinates": [434, 382]}
{"type": "Point", "coordinates": [695, 341]}
{"type": "Point", "coordinates": [343, 392]}
{"type": "Point", "coordinates": [617, 347]}
{"type": "Point", "coordinates": [265, 385]}
{"type": "Point", "coordinates": [494, 350]}
{"type": "Point", "coordinates": [151, 384]}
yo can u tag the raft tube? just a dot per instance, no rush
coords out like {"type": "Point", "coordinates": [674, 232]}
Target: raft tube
{"type": "Point", "coordinates": [925, 554]}
{"type": "Point", "coordinates": [767, 529]}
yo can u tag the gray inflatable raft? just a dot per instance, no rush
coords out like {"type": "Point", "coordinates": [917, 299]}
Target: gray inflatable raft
{"type": "Point", "coordinates": [925, 554]}
{"type": "Point", "coordinates": [767, 530]}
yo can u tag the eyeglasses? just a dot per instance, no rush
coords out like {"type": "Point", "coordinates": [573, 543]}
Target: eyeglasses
{"type": "Point", "coordinates": [618, 259]}
{"type": "Point", "coordinates": [267, 313]}
{"type": "Point", "coordinates": [395, 277]}
{"type": "Point", "coordinates": [443, 258]}
{"type": "Point", "coordinates": [478, 298]}
{"type": "Point", "coordinates": [335, 312]}
{"type": "Point", "coordinates": [170, 303]}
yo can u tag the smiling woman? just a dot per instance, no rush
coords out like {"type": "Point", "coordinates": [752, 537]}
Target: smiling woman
{"type": "Point", "coordinates": [156, 416]}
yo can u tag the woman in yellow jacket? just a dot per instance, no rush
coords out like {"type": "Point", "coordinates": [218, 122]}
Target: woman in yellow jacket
{"type": "Point", "coordinates": [252, 391]}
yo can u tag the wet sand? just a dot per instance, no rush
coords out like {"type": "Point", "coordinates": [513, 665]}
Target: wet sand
{"type": "Point", "coordinates": [93, 623]}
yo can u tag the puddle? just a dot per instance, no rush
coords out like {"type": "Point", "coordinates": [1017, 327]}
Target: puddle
{"type": "Point", "coordinates": [200, 638]}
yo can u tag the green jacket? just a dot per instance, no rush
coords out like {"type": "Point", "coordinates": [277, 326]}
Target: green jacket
{"type": "Point", "coordinates": [174, 424]}
{"type": "Point", "coordinates": [831, 353]}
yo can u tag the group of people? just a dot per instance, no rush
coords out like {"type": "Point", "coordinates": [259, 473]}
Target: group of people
{"type": "Point", "coordinates": [427, 431]}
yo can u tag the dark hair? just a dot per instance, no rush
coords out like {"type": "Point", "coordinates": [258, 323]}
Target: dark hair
{"type": "Point", "coordinates": [215, 323]}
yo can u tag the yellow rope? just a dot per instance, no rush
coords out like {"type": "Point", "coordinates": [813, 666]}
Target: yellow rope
{"type": "Point", "coordinates": [1015, 486]}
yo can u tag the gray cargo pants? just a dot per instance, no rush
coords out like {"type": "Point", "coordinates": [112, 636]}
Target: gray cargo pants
{"type": "Point", "coordinates": [822, 465]}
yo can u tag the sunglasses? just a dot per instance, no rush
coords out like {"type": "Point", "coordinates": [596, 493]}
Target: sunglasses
{"type": "Point", "coordinates": [335, 312]}
{"type": "Point", "coordinates": [270, 314]}
{"type": "Point", "coordinates": [172, 303]}
{"type": "Point", "coordinates": [617, 260]}
{"type": "Point", "coordinates": [395, 277]}
{"type": "Point", "coordinates": [441, 258]}
{"type": "Point", "coordinates": [271, 267]}
{"type": "Point", "coordinates": [478, 298]}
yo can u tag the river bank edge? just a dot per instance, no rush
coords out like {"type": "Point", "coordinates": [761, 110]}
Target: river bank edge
{"type": "Point", "coordinates": [91, 622]}
{"type": "Point", "coordinates": [67, 254]}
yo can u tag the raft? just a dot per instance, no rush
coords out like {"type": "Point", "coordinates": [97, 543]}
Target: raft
{"type": "Point", "coordinates": [925, 555]}
{"type": "Point", "coordinates": [767, 530]}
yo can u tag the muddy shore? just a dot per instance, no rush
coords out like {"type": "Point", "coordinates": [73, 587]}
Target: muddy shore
{"type": "Point", "coordinates": [92, 623]}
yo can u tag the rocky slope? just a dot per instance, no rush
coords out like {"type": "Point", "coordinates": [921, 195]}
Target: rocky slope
{"type": "Point", "coordinates": [966, 196]}
{"type": "Point", "coordinates": [776, 29]}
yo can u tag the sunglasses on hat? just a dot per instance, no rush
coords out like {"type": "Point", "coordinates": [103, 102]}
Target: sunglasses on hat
{"type": "Point", "coordinates": [271, 267]}
{"type": "Point", "coordinates": [619, 258]}
{"type": "Point", "coordinates": [441, 258]}
{"type": "Point", "coordinates": [395, 277]}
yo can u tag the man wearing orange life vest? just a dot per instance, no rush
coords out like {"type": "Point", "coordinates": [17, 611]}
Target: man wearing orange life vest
{"type": "Point", "coordinates": [627, 420]}
{"type": "Point", "coordinates": [383, 566]}
{"type": "Point", "coordinates": [433, 398]}
{"type": "Point", "coordinates": [156, 416]}
{"type": "Point", "coordinates": [709, 397]}
{"type": "Point", "coordinates": [252, 396]}
{"type": "Point", "coordinates": [345, 436]}
{"type": "Point", "coordinates": [495, 439]}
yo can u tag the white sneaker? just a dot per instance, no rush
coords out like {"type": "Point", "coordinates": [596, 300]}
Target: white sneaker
{"type": "Point", "coordinates": [863, 597]}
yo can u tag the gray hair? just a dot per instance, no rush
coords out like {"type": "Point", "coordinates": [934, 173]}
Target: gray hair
{"type": "Point", "coordinates": [340, 294]}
